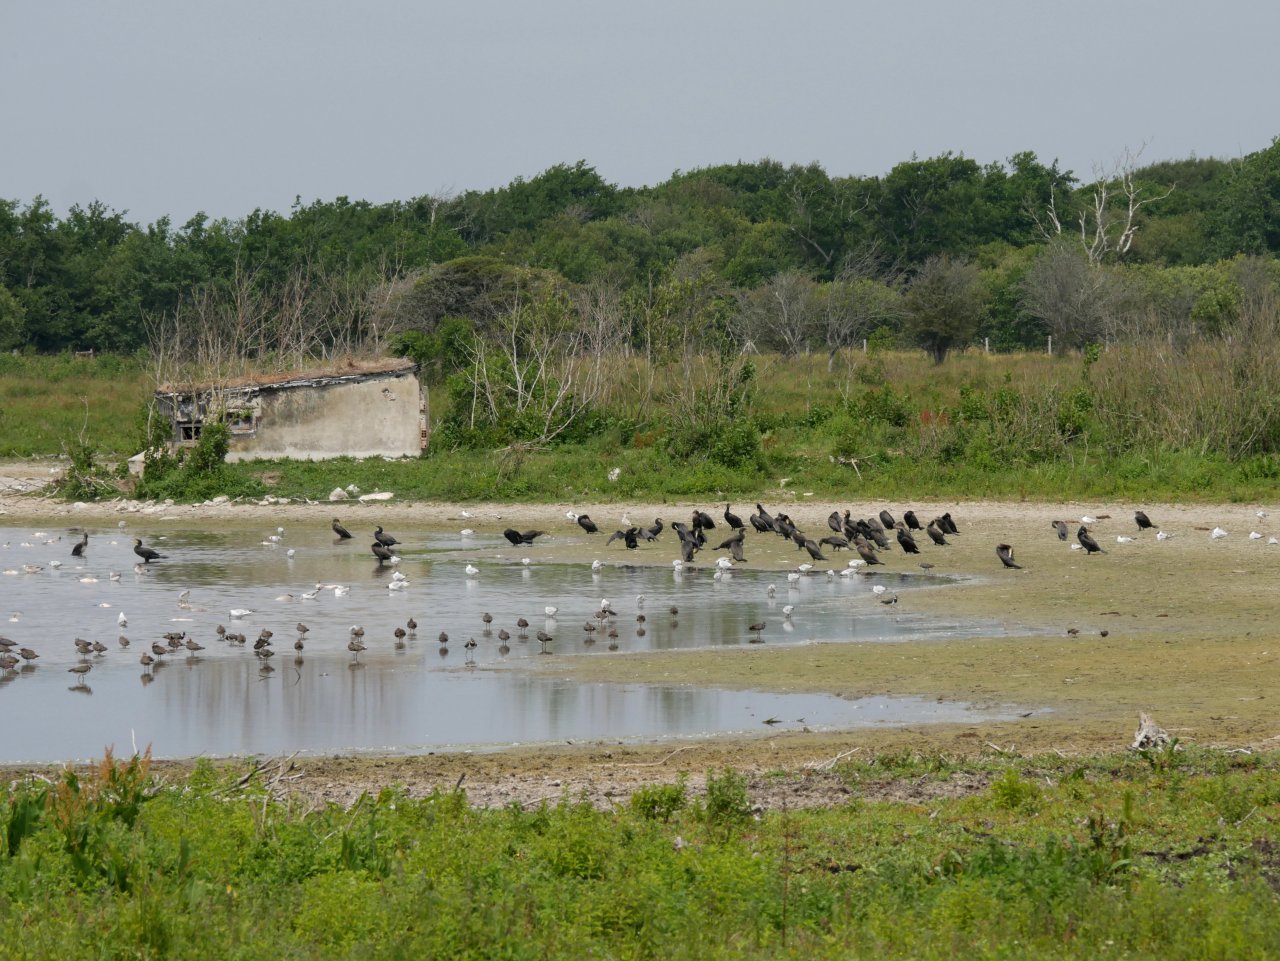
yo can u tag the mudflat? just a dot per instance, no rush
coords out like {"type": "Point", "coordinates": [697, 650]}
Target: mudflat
{"type": "Point", "coordinates": [1179, 627]}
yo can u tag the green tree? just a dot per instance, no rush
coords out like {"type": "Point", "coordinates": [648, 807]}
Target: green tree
{"type": "Point", "coordinates": [1247, 220]}
{"type": "Point", "coordinates": [943, 305]}
{"type": "Point", "coordinates": [12, 320]}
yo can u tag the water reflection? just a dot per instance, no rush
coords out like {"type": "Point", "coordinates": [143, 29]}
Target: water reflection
{"type": "Point", "coordinates": [402, 693]}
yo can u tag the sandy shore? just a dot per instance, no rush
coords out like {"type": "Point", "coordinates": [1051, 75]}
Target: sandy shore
{"type": "Point", "coordinates": [1180, 628]}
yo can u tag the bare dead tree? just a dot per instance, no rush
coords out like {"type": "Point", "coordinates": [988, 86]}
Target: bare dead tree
{"type": "Point", "coordinates": [531, 375]}
{"type": "Point", "coordinates": [783, 314]}
{"type": "Point", "coordinates": [1109, 221]}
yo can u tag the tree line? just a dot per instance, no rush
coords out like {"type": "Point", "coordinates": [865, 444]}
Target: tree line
{"type": "Point", "coordinates": [940, 252]}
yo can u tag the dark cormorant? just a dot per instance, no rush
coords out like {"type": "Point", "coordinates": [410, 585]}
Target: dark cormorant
{"type": "Point", "coordinates": [906, 541]}
{"type": "Point", "coordinates": [759, 524]}
{"type": "Point", "coordinates": [947, 524]}
{"type": "Point", "coordinates": [1005, 553]}
{"type": "Point", "coordinates": [866, 552]}
{"type": "Point", "coordinates": [381, 552]}
{"type": "Point", "coordinates": [386, 540]}
{"type": "Point", "coordinates": [878, 535]}
{"type": "Point", "coordinates": [836, 542]}
{"type": "Point", "coordinates": [887, 520]}
{"type": "Point", "coordinates": [341, 531]}
{"type": "Point", "coordinates": [732, 519]}
{"type": "Point", "coordinates": [835, 522]}
{"type": "Point", "coordinates": [517, 537]}
{"type": "Point", "coordinates": [1087, 542]}
{"type": "Point", "coordinates": [78, 550]}
{"type": "Point", "coordinates": [702, 521]}
{"type": "Point", "coordinates": [728, 542]}
{"type": "Point", "coordinates": [765, 518]}
{"type": "Point", "coordinates": [1143, 522]}
{"type": "Point", "coordinates": [912, 522]}
{"type": "Point", "coordinates": [1061, 528]}
{"type": "Point", "coordinates": [814, 550]}
{"type": "Point", "coordinates": [146, 553]}
{"type": "Point", "coordinates": [630, 537]}
{"type": "Point", "coordinates": [655, 530]}
{"type": "Point", "coordinates": [587, 524]}
{"type": "Point", "coordinates": [934, 530]}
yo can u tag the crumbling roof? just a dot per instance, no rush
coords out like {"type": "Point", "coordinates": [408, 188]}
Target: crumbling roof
{"type": "Point", "coordinates": [349, 370]}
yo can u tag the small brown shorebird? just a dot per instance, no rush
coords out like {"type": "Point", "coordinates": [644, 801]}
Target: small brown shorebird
{"type": "Point", "coordinates": [27, 654]}
{"type": "Point", "coordinates": [523, 625]}
{"type": "Point", "coordinates": [80, 670]}
{"type": "Point", "coordinates": [412, 625]}
{"type": "Point", "coordinates": [544, 639]}
{"type": "Point", "coordinates": [146, 660]}
{"type": "Point", "coordinates": [504, 635]}
{"type": "Point", "coordinates": [355, 647]}
{"type": "Point", "coordinates": [488, 619]}
{"type": "Point", "coordinates": [443, 638]}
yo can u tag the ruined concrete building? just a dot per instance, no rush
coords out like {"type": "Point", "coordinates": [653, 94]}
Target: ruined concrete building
{"type": "Point", "coordinates": [371, 409]}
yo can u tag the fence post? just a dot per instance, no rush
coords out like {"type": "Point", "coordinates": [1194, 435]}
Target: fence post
{"type": "Point", "coordinates": [1051, 345]}
{"type": "Point", "coordinates": [864, 345]}
{"type": "Point", "coordinates": [986, 344]}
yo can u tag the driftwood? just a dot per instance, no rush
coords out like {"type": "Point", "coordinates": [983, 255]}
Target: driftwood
{"type": "Point", "coordinates": [1150, 735]}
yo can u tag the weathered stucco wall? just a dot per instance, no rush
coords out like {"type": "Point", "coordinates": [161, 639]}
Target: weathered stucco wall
{"type": "Point", "coordinates": [363, 418]}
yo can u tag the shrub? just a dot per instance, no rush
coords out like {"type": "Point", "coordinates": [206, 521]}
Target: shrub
{"type": "Point", "coordinates": [659, 802]}
{"type": "Point", "coordinates": [726, 803]}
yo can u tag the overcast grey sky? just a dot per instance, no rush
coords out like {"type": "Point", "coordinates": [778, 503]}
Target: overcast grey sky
{"type": "Point", "coordinates": [174, 106]}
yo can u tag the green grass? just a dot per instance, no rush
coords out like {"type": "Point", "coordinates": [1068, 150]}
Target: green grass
{"type": "Point", "coordinates": [1097, 857]}
{"type": "Point", "coordinates": [887, 426]}
{"type": "Point", "coordinates": [46, 403]}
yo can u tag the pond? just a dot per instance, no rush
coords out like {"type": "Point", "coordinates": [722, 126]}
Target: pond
{"type": "Point", "coordinates": [416, 692]}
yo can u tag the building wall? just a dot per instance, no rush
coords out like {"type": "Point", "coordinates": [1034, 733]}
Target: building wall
{"type": "Point", "coordinates": [366, 418]}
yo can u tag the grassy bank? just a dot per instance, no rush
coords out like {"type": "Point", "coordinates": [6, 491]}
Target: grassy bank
{"type": "Point", "coordinates": [886, 426]}
{"type": "Point", "coordinates": [46, 403]}
{"type": "Point", "coordinates": [1163, 855]}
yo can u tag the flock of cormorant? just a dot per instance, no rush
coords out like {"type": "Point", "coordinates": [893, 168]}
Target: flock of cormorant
{"type": "Point", "coordinates": [868, 537]}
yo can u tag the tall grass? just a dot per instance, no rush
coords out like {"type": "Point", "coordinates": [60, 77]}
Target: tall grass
{"type": "Point", "coordinates": [1057, 858]}
{"type": "Point", "coordinates": [1150, 419]}
{"type": "Point", "coordinates": [49, 402]}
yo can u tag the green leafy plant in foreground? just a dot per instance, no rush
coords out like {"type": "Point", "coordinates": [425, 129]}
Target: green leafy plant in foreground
{"type": "Point", "coordinates": [113, 863]}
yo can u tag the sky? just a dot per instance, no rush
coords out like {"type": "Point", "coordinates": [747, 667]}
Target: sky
{"type": "Point", "coordinates": [173, 107]}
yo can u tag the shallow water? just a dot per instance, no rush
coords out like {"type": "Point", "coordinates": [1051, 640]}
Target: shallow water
{"type": "Point", "coordinates": [417, 693]}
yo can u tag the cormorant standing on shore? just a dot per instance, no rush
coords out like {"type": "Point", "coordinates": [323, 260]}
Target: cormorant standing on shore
{"type": "Point", "coordinates": [1005, 553]}
{"type": "Point", "coordinates": [732, 519]}
{"type": "Point", "coordinates": [1087, 542]}
{"type": "Point", "coordinates": [341, 531]}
